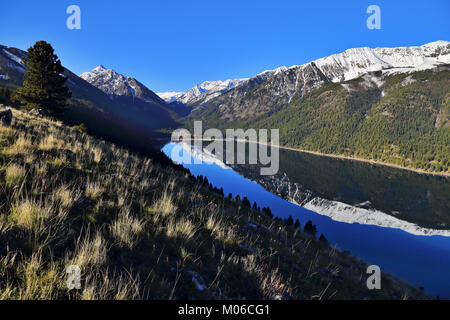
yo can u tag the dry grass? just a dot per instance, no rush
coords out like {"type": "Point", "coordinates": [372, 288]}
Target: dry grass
{"type": "Point", "coordinates": [90, 252]}
{"type": "Point", "coordinates": [14, 175]}
{"type": "Point", "coordinates": [50, 142]}
{"type": "Point", "coordinates": [165, 205]}
{"type": "Point", "coordinates": [22, 145]}
{"type": "Point", "coordinates": [6, 133]}
{"type": "Point", "coordinates": [40, 170]}
{"type": "Point", "coordinates": [93, 190]}
{"type": "Point", "coordinates": [38, 280]}
{"type": "Point", "coordinates": [65, 196]}
{"type": "Point", "coordinates": [30, 215]}
{"type": "Point", "coordinates": [126, 229]}
{"type": "Point", "coordinates": [102, 286]}
{"type": "Point", "coordinates": [98, 153]}
{"type": "Point", "coordinates": [213, 224]}
{"type": "Point", "coordinates": [182, 229]}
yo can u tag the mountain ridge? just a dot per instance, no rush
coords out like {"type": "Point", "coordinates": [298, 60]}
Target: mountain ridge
{"type": "Point", "coordinates": [283, 82]}
{"type": "Point", "coordinates": [115, 84]}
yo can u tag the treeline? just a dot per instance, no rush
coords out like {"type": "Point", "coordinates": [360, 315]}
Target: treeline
{"type": "Point", "coordinates": [309, 228]}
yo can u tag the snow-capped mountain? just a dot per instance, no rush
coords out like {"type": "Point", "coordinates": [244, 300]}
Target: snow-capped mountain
{"type": "Point", "coordinates": [352, 63]}
{"type": "Point", "coordinates": [208, 90]}
{"type": "Point", "coordinates": [117, 85]}
{"type": "Point", "coordinates": [274, 88]}
{"type": "Point", "coordinates": [355, 62]}
{"type": "Point", "coordinates": [170, 96]}
{"type": "Point", "coordinates": [202, 92]}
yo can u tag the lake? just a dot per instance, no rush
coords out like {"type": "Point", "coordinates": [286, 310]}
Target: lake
{"type": "Point", "coordinates": [418, 259]}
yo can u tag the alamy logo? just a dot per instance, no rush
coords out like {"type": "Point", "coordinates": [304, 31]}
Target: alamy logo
{"type": "Point", "coordinates": [257, 142]}
{"type": "Point", "coordinates": [374, 280]}
{"type": "Point", "coordinates": [74, 20]}
{"type": "Point", "coordinates": [374, 20]}
{"type": "Point", "coordinates": [74, 277]}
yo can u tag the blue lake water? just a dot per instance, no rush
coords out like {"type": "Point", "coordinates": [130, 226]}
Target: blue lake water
{"type": "Point", "coordinates": [419, 260]}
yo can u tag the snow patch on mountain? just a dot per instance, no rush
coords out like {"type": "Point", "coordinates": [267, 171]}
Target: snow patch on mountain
{"type": "Point", "coordinates": [170, 96]}
{"type": "Point", "coordinates": [207, 90]}
{"type": "Point", "coordinates": [355, 62]}
{"type": "Point", "coordinates": [274, 71]}
{"type": "Point", "coordinates": [13, 56]}
{"type": "Point", "coordinates": [340, 67]}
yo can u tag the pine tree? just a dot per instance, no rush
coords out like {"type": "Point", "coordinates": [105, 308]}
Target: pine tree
{"type": "Point", "coordinates": [289, 221]}
{"type": "Point", "coordinates": [43, 82]}
{"type": "Point", "coordinates": [246, 202]}
{"type": "Point", "coordinates": [310, 228]}
{"type": "Point", "coordinates": [322, 238]}
{"type": "Point", "coordinates": [5, 95]}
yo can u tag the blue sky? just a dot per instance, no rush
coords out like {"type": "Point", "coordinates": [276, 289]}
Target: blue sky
{"type": "Point", "coordinates": [172, 45]}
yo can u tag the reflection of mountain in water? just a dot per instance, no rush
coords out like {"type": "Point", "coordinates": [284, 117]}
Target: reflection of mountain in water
{"type": "Point", "coordinates": [359, 192]}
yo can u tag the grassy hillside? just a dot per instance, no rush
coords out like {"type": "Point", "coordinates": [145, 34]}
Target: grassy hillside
{"type": "Point", "coordinates": [142, 230]}
{"type": "Point", "coordinates": [405, 121]}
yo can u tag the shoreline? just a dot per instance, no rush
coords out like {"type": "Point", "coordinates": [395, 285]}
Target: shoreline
{"type": "Point", "coordinates": [337, 156]}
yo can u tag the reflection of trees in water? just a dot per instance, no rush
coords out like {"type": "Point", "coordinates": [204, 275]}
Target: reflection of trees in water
{"type": "Point", "coordinates": [418, 198]}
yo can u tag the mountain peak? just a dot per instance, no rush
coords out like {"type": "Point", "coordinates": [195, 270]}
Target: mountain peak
{"type": "Point", "coordinates": [99, 68]}
{"type": "Point", "coordinates": [208, 90]}
{"type": "Point", "coordinates": [118, 85]}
